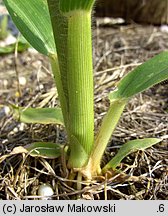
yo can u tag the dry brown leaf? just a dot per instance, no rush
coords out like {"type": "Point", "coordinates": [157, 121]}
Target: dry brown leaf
{"type": "Point", "coordinates": [16, 150]}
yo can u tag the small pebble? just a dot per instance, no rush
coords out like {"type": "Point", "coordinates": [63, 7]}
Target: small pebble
{"type": "Point", "coordinates": [8, 41]}
{"type": "Point", "coordinates": [15, 130]}
{"type": "Point", "coordinates": [40, 87]}
{"type": "Point", "coordinates": [6, 110]}
{"type": "Point", "coordinates": [5, 141]}
{"type": "Point", "coordinates": [164, 28]}
{"type": "Point", "coordinates": [21, 126]}
{"type": "Point", "coordinates": [45, 190]}
{"type": "Point", "coordinates": [5, 82]}
{"type": "Point", "coordinates": [22, 81]}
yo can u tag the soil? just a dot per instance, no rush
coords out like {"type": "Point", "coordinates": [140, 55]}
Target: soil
{"type": "Point", "coordinates": [26, 80]}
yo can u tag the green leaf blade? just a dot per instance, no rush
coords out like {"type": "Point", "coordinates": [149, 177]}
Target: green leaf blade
{"type": "Point", "coordinates": [143, 77]}
{"type": "Point", "coordinates": [33, 21]}
{"type": "Point", "coordinates": [130, 147]}
{"type": "Point", "coordinates": [45, 150]}
{"type": "Point", "coordinates": [39, 115]}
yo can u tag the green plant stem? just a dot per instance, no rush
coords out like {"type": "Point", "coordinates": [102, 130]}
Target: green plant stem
{"type": "Point", "coordinates": [4, 27]}
{"type": "Point", "coordinates": [108, 125]}
{"type": "Point", "coordinates": [80, 86]}
{"type": "Point", "coordinates": [72, 33]}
